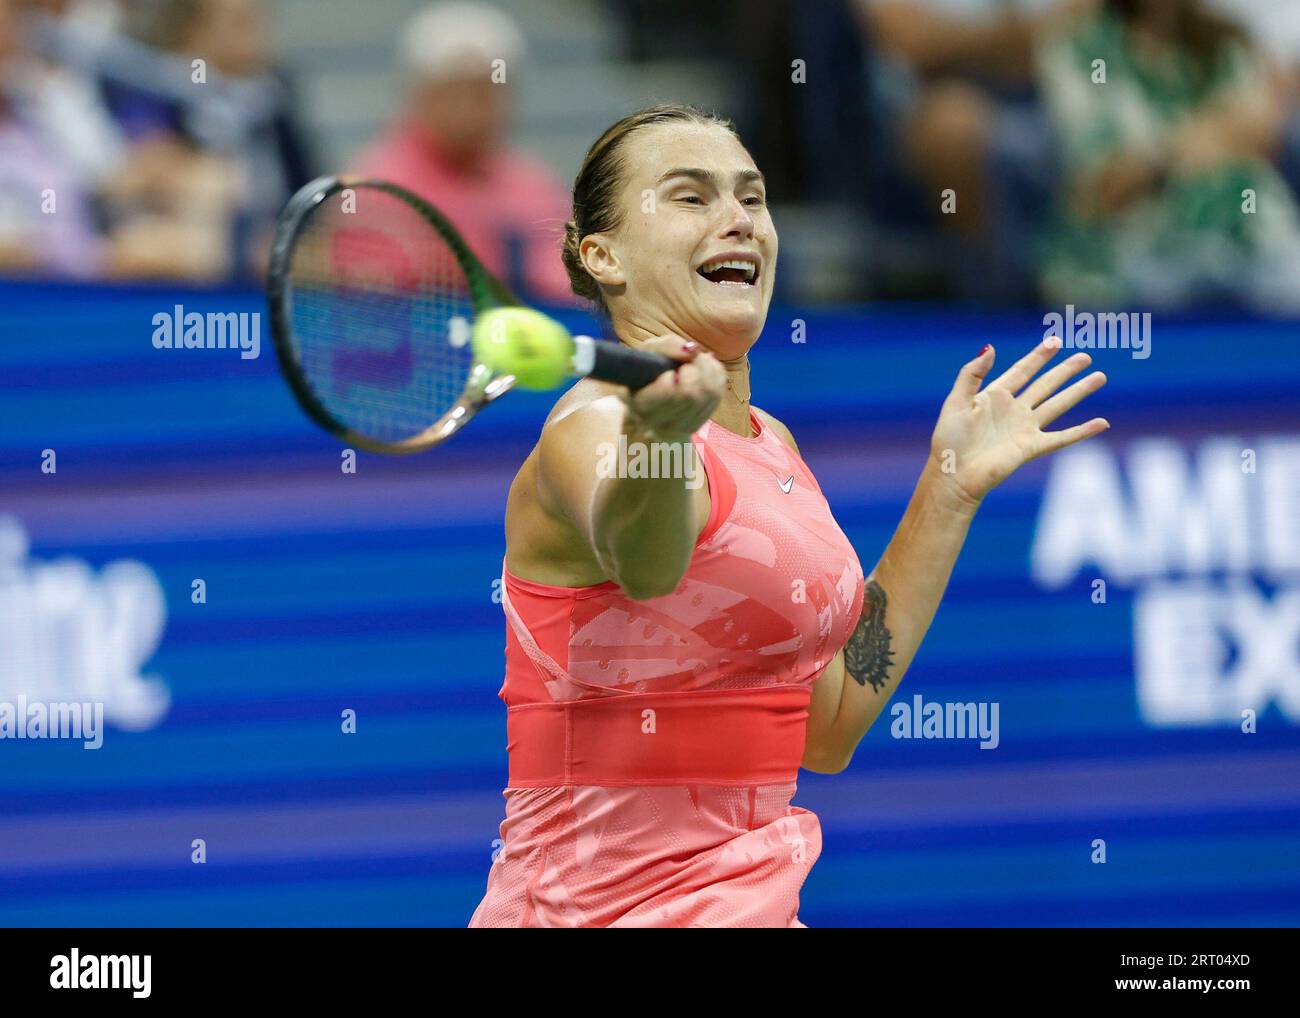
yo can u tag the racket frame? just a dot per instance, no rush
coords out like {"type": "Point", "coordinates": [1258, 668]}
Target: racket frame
{"type": "Point", "coordinates": [482, 386]}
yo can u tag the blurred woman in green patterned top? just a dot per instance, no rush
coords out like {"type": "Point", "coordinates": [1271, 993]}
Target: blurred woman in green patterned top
{"type": "Point", "coordinates": [1166, 118]}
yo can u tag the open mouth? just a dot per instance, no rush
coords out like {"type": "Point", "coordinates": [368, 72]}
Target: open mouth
{"type": "Point", "coordinates": [730, 271]}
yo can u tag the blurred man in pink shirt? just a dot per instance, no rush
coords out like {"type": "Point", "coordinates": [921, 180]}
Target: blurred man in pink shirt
{"type": "Point", "coordinates": [449, 145]}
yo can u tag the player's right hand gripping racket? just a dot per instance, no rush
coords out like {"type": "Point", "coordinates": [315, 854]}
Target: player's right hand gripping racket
{"type": "Point", "coordinates": [377, 307]}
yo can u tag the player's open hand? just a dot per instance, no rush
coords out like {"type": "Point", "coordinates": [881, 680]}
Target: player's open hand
{"type": "Point", "coordinates": [985, 434]}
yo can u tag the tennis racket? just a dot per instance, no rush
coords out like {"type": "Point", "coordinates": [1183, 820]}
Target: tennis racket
{"type": "Point", "coordinates": [373, 298]}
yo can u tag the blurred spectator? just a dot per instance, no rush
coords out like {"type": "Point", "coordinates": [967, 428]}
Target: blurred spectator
{"type": "Point", "coordinates": [67, 96]}
{"type": "Point", "coordinates": [449, 144]}
{"type": "Point", "coordinates": [957, 109]}
{"type": "Point", "coordinates": [222, 142]}
{"type": "Point", "coordinates": [46, 223]}
{"type": "Point", "coordinates": [1170, 199]}
{"type": "Point", "coordinates": [1274, 28]}
{"type": "Point", "coordinates": [171, 120]}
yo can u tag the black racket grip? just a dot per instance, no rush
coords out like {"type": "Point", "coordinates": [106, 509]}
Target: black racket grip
{"type": "Point", "coordinates": [622, 365]}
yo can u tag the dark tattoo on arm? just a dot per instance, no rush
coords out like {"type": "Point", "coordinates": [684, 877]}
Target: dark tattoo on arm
{"type": "Point", "coordinates": [867, 655]}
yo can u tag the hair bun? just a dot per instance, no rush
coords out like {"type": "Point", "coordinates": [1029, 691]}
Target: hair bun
{"type": "Point", "coordinates": [580, 280]}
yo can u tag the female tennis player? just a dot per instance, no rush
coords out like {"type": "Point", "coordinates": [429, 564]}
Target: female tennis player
{"type": "Point", "coordinates": [678, 645]}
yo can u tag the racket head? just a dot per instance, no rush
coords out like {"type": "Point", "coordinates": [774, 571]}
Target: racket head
{"type": "Point", "coordinates": [372, 296]}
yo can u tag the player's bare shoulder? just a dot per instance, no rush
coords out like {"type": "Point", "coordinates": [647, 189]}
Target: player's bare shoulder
{"type": "Point", "coordinates": [579, 396]}
{"type": "Point", "coordinates": [540, 543]}
{"type": "Point", "coordinates": [580, 405]}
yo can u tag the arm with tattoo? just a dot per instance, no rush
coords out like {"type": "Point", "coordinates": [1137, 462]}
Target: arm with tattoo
{"type": "Point", "coordinates": [984, 434]}
{"type": "Point", "coordinates": [901, 597]}
{"type": "Point", "coordinates": [867, 655]}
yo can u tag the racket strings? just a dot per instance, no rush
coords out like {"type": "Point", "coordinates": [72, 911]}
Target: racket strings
{"type": "Point", "coordinates": [381, 312]}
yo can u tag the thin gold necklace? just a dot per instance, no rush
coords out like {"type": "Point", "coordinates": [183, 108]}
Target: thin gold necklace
{"type": "Point", "coordinates": [745, 398]}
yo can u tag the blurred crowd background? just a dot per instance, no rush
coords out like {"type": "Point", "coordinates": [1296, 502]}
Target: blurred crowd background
{"type": "Point", "coordinates": [1139, 154]}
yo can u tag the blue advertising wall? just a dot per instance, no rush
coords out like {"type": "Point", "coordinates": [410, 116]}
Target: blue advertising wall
{"type": "Point", "coordinates": [1132, 608]}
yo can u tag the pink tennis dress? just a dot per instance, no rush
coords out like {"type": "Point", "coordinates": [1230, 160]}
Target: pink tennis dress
{"type": "Point", "coordinates": [654, 745]}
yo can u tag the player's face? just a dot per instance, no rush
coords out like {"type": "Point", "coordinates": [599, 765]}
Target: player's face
{"type": "Point", "coordinates": [693, 199]}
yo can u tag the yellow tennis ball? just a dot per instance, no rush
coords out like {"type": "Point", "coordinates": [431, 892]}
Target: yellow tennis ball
{"type": "Point", "coordinates": [536, 349]}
